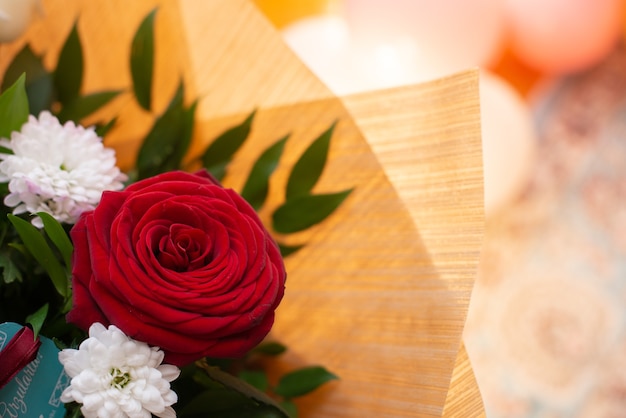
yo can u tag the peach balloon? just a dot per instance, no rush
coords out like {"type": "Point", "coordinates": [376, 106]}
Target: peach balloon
{"type": "Point", "coordinates": [378, 44]}
{"type": "Point", "coordinates": [323, 44]}
{"type": "Point", "coordinates": [15, 15]}
{"type": "Point", "coordinates": [448, 35]}
{"type": "Point", "coordinates": [564, 36]}
{"type": "Point", "coordinates": [509, 142]}
{"type": "Point", "coordinates": [327, 46]}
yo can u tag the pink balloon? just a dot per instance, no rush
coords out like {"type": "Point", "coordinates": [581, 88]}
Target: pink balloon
{"type": "Point", "coordinates": [563, 36]}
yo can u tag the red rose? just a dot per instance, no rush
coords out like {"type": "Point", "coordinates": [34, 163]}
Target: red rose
{"type": "Point", "coordinates": [178, 262]}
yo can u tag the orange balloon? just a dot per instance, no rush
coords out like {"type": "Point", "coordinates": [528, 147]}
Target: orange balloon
{"type": "Point", "coordinates": [517, 73]}
{"type": "Point", "coordinates": [283, 12]}
{"type": "Point", "coordinates": [624, 20]}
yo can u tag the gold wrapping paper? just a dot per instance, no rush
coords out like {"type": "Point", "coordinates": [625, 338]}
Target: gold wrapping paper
{"type": "Point", "coordinates": [380, 293]}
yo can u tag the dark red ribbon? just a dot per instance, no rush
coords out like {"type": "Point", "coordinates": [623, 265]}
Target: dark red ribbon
{"type": "Point", "coordinates": [21, 350]}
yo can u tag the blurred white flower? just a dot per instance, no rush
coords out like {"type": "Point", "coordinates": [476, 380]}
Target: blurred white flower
{"type": "Point", "coordinates": [115, 376]}
{"type": "Point", "coordinates": [551, 333]}
{"type": "Point", "coordinates": [58, 169]}
{"type": "Point", "coordinates": [15, 15]}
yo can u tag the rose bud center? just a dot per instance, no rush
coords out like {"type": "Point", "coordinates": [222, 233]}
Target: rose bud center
{"type": "Point", "coordinates": [183, 248]}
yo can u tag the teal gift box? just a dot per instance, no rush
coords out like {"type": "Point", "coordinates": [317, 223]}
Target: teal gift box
{"type": "Point", "coordinates": [35, 392]}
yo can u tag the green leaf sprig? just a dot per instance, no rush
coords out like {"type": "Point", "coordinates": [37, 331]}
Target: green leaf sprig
{"type": "Point", "coordinates": [169, 139]}
{"type": "Point", "coordinates": [36, 244]}
{"type": "Point", "coordinates": [13, 108]}
{"type": "Point", "coordinates": [256, 188]}
{"type": "Point", "coordinates": [302, 209]}
{"type": "Point", "coordinates": [38, 81]}
{"type": "Point", "coordinates": [142, 61]}
{"type": "Point", "coordinates": [35, 264]}
{"type": "Point", "coordinates": [68, 75]}
{"type": "Point", "coordinates": [58, 90]}
{"type": "Point", "coordinates": [220, 152]}
{"type": "Point", "coordinates": [213, 390]}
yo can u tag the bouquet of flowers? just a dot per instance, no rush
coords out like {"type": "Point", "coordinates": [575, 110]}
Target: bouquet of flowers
{"type": "Point", "coordinates": [159, 283]}
{"type": "Point", "coordinates": [163, 268]}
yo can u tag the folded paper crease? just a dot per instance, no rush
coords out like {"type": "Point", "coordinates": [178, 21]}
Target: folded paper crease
{"type": "Point", "coordinates": [379, 295]}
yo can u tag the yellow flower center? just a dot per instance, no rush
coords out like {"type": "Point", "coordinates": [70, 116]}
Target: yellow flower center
{"type": "Point", "coordinates": [120, 378]}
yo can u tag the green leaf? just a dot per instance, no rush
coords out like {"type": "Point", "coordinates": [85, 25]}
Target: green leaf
{"type": "Point", "coordinates": [73, 410]}
{"type": "Point", "coordinates": [39, 84]}
{"type": "Point", "coordinates": [304, 211]}
{"type": "Point", "coordinates": [256, 378]}
{"type": "Point", "coordinates": [225, 403]}
{"type": "Point", "coordinates": [240, 386]}
{"type": "Point", "coordinates": [220, 151]}
{"type": "Point", "coordinates": [202, 379]}
{"type": "Point", "coordinates": [181, 145]}
{"type": "Point", "coordinates": [260, 411]}
{"type": "Point", "coordinates": [287, 250]}
{"type": "Point", "coordinates": [290, 407]}
{"type": "Point", "coordinates": [68, 76]}
{"type": "Point", "coordinates": [84, 106]}
{"type": "Point", "coordinates": [270, 348]}
{"type": "Point", "coordinates": [39, 249]}
{"type": "Point", "coordinates": [13, 108]}
{"type": "Point", "coordinates": [19, 247]}
{"type": "Point", "coordinates": [257, 186]}
{"type": "Point", "coordinates": [58, 236]}
{"type": "Point", "coordinates": [303, 381]}
{"type": "Point", "coordinates": [161, 143]}
{"type": "Point", "coordinates": [102, 130]}
{"type": "Point", "coordinates": [308, 169]}
{"type": "Point", "coordinates": [10, 272]}
{"type": "Point", "coordinates": [142, 61]}
{"type": "Point", "coordinates": [212, 400]}
{"type": "Point", "coordinates": [37, 319]}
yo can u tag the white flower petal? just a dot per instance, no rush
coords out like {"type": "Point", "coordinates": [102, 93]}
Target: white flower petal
{"type": "Point", "coordinates": [96, 330]}
{"type": "Point", "coordinates": [93, 401]}
{"type": "Point", "coordinates": [59, 169]}
{"type": "Point", "coordinates": [169, 372]}
{"type": "Point", "coordinates": [88, 381]}
{"type": "Point", "coordinates": [67, 359]}
{"type": "Point", "coordinates": [115, 376]}
{"type": "Point", "coordinates": [167, 413]}
{"type": "Point", "coordinates": [66, 396]}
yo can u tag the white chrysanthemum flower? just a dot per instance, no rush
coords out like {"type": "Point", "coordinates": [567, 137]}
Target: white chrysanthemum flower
{"type": "Point", "coordinates": [58, 169]}
{"type": "Point", "coordinates": [115, 376]}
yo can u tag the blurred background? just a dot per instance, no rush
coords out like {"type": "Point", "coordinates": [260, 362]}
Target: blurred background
{"type": "Point", "coordinates": [546, 327]}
